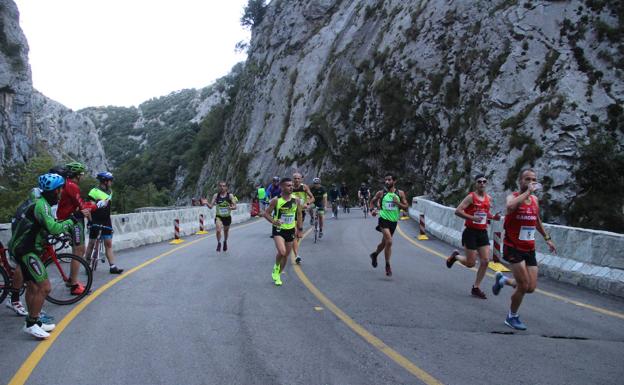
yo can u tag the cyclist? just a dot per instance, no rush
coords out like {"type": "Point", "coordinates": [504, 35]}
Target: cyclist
{"type": "Point", "coordinates": [363, 195]}
{"type": "Point", "coordinates": [72, 203]}
{"type": "Point", "coordinates": [301, 191]}
{"type": "Point", "coordinates": [391, 200]}
{"type": "Point", "coordinates": [344, 197]}
{"type": "Point", "coordinates": [334, 195]}
{"type": "Point", "coordinates": [273, 190]}
{"type": "Point", "coordinates": [522, 219]}
{"type": "Point", "coordinates": [26, 245]}
{"type": "Point", "coordinates": [475, 209]}
{"type": "Point", "coordinates": [320, 202]}
{"type": "Point", "coordinates": [225, 203]}
{"type": "Point", "coordinates": [284, 213]}
{"type": "Point", "coordinates": [103, 195]}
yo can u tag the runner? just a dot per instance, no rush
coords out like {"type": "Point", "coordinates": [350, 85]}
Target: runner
{"type": "Point", "coordinates": [391, 200]}
{"type": "Point", "coordinates": [273, 191]}
{"type": "Point", "coordinates": [102, 196]}
{"type": "Point", "coordinates": [72, 203]}
{"type": "Point", "coordinates": [320, 202]}
{"type": "Point", "coordinates": [301, 191]}
{"type": "Point", "coordinates": [286, 223]}
{"type": "Point", "coordinates": [521, 222]}
{"type": "Point", "coordinates": [262, 197]}
{"type": "Point", "coordinates": [225, 203]}
{"type": "Point", "coordinates": [475, 209]}
{"type": "Point", "coordinates": [26, 245]}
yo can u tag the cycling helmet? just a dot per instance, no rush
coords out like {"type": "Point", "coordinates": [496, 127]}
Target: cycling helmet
{"type": "Point", "coordinates": [75, 168]}
{"type": "Point", "coordinates": [50, 182]}
{"type": "Point", "coordinates": [316, 180]}
{"type": "Point", "coordinates": [363, 185]}
{"type": "Point", "coordinates": [104, 176]}
{"type": "Point", "coordinates": [276, 179]}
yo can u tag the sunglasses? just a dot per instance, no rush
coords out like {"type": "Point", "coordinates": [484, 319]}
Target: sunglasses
{"type": "Point", "coordinates": [482, 181]}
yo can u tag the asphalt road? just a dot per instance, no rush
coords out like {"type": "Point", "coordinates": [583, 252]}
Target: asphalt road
{"type": "Point", "coordinates": [195, 316]}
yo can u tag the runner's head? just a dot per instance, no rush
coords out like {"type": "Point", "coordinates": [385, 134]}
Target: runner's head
{"type": "Point", "coordinates": [286, 185]}
{"type": "Point", "coordinates": [222, 186]}
{"type": "Point", "coordinates": [389, 180]}
{"type": "Point", "coordinates": [526, 177]}
{"type": "Point", "coordinates": [480, 182]}
{"type": "Point", "coordinates": [297, 178]}
{"type": "Point", "coordinates": [316, 181]}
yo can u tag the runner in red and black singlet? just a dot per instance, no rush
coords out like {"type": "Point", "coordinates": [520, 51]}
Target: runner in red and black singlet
{"type": "Point", "coordinates": [475, 209]}
{"type": "Point", "coordinates": [521, 222]}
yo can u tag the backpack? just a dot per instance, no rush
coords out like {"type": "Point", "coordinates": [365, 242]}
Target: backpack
{"type": "Point", "coordinates": [24, 229]}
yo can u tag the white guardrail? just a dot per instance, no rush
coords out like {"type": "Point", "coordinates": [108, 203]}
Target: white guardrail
{"type": "Point", "coordinates": [589, 258]}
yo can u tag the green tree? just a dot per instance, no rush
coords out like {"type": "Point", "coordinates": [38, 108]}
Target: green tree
{"type": "Point", "coordinates": [253, 13]}
{"type": "Point", "coordinates": [16, 184]}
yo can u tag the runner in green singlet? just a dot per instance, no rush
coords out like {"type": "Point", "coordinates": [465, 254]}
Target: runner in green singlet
{"type": "Point", "coordinates": [301, 191]}
{"type": "Point", "coordinates": [392, 200]}
{"type": "Point", "coordinates": [284, 213]}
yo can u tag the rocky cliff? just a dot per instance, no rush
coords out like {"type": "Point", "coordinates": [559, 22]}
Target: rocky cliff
{"type": "Point", "coordinates": [432, 90]}
{"type": "Point", "coordinates": [30, 123]}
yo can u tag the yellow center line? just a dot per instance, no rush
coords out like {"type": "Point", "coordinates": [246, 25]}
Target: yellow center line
{"type": "Point", "coordinates": [29, 365]}
{"type": "Point", "coordinates": [361, 331]}
{"type": "Point", "coordinates": [597, 309]}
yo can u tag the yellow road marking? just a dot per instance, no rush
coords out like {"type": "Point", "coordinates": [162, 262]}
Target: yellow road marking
{"type": "Point", "coordinates": [24, 372]}
{"type": "Point", "coordinates": [365, 334]}
{"type": "Point", "coordinates": [597, 309]}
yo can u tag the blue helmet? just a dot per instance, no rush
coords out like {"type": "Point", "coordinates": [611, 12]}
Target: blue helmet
{"type": "Point", "coordinates": [49, 182]}
{"type": "Point", "coordinates": [104, 176]}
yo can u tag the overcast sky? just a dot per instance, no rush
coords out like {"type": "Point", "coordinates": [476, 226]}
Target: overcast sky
{"type": "Point", "coordinates": [123, 52]}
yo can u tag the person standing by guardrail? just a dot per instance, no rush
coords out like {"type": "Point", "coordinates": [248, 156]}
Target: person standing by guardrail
{"type": "Point", "coordinates": [102, 196]}
{"type": "Point", "coordinates": [475, 209]}
{"type": "Point", "coordinates": [522, 219]}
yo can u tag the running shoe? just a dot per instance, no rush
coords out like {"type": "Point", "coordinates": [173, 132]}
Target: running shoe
{"type": "Point", "coordinates": [476, 292]}
{"type": "Point", "coordinates": [275, 274]}
{"type": "Point", "coordinates": [278, 281]}
{"type": "Point", "coordinates": [17, 307]}
{"type": "Point", "coordinates": [298, 259]}
{"type": "Point", "coordinates": [35, 331]}
{"type": "Point", "coordinates": [218, 247]}
{"type": "Point", "coordinates": [452, 258]}
{"type": "Point", "coordinates": [373, 257]}
{"type": "Point", "coordinates": [499, 282]}
{"type": "Point", "coordinates": [46, 327]}
{"type": "Point", "coordinates": [224, 245]}
{"type": "Point", "coordinates": [115, 270]}
{"type": "Point", "coordinates": [515, 323]}
{"type": "Point", "coordinates": [77, 288]}
{"type": "Point", "coordinates": [388, 270]}
{"type": "Point", "coordinates": [320, 234]}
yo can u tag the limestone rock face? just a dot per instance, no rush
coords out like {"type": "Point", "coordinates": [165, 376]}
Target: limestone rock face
{"type": "Point", "coordinates": [30, 123]}
{"type": "Point", "coordinates": [432, 90]}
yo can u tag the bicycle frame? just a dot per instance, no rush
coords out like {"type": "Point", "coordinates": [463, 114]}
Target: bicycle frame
{"type": "Point", "coordinates": [98, 248]}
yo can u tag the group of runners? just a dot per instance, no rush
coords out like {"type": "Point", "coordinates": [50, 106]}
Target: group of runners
{"type": "Point", "coordinates": [286, 212]}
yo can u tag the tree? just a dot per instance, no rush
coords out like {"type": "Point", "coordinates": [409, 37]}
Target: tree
{"type": "Point", "coordinates": [253, 13]}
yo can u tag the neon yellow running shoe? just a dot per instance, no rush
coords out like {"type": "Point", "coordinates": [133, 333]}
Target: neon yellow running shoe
{"type": "Point", "coordinates": [278, 281]}
{"type": "Point", "coordinates": [275, 274]}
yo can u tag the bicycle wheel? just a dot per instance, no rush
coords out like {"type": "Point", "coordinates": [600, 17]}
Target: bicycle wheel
{"type": "Point", "coordinates": [95, 255]}
{"type": "Point", "coordinates": [59, 272]}
{"type": "Point", "coordinates": [315, 229]}
{"type": "Point", "coordinates": [5, 284]}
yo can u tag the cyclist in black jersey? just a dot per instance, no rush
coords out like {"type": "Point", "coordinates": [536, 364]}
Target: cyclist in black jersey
{"type": "Point", "coordinates": [320, 201]}
{"type": "Point", "coordinates": [225, 202]}
{"type": "Point", "coordinates": [363, 195]}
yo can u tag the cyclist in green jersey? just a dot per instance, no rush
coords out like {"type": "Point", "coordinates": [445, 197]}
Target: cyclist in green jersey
{"type": "Point", "coordinates": [284, 213]}
{"type": "Point", "coordinates": [225, 203]}
{"type": "Point", "coordinates": [320, 202]}
{"type": "Point", "coordinates": [391, 200]}
{"type": "Point", "coordinates": [301, 191]}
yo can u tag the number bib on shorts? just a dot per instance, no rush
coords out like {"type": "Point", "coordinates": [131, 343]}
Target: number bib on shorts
{"type": "Point", "coordinates": [527, 233]}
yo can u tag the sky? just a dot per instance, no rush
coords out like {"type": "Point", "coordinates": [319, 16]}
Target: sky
{"type": "Point", "coordinates": [123, 52]}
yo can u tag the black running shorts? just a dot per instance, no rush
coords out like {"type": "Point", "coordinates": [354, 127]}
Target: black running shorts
{"type": "Point", "coordinates": [287, 234]}
{"type": "Point", "coordinates": [386, 224]}
{"type": "Point", "coordinates": [473, 239]}
{"type": "Point", "coordinates": [226, 221]}
{"type": "Point", "coordinates": [513, 255]}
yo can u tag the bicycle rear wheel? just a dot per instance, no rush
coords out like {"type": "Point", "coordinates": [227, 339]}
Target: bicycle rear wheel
{"type": "Point", "coordinates": [5, 284]}
{"type": "Point", "coordinates": [58, 273]}
{"type": "Point", "coordinates": [95, 255]}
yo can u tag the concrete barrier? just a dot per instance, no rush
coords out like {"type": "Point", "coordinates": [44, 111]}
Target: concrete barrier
{"type": "Point", "coordinates": [138, 229]}
{"type": "Point", "coordinates": [588, 258]}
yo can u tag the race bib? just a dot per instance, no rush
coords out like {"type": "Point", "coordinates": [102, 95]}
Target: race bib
{"type": "Point", "coordinates": [287, 219]}
{"type": "Point", "coordinates": [224, 210]}
{"type": "Point", "coordinates": [389, 205]}
{"type": "Point", "coordinates": [483, 219]}
{"type": "Point", "coordinates": [527, 233]}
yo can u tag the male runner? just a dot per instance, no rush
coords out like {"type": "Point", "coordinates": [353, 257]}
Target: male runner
{"type": "Point", "coordinates": [225, 203]}
{"type": "Point", "coordinates": [320, 202]}
{"type": "Point", "coordinates": [273, 190]}
{"type": "Point", "coordinates": [391, 200]}
{"type": "Point", "coordinates": [475, 209]}
{"type": "Point", "coordinates": [301, 191]}
{"type": "Point", "coordinates": [521, 222]}
{"type": "Point", "coordinates": [284, 213]}
{"type": "Point", "coordinates": [72, 203]}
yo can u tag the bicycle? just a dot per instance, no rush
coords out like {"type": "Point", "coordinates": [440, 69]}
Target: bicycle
{"type": "Point", "coordinates": [335, 209]}
{"type": "Point", "coordinates": [6, 274]}
{"type": "Point", "coordinates": [345, 205]}
{"type": "Point", "coordinates": [98, 248]}
{"type": "Point", "coordinates": [315, 217]}
{"type": "Point", "coordinates": [364, 205]}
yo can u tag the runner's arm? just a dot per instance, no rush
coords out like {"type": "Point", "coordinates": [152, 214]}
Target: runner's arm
{"type": "Point", "coordinates": [460, 210]}
{"type": "Point", "coordinates": [267, 213]}
{"type": "Point", "coordinates": [373, 202]}
{"type": "Point", "coordinates": [540, 228]}
{"type": "Point", "coordinates": [514, 202]}
{"type": "Point", "coordinates": [233, 205]}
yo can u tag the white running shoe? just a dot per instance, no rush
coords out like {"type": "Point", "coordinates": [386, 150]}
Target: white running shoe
{"type": "Point", "coordinates": [48, 327]}
{"type": "Point", "coordinates": [17, 307]}
{"type": "Point", "coordinates": [36, 331]}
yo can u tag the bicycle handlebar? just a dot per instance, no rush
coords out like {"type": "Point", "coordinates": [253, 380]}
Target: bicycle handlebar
{"type": "Point", "coordinates": [102, 227]}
